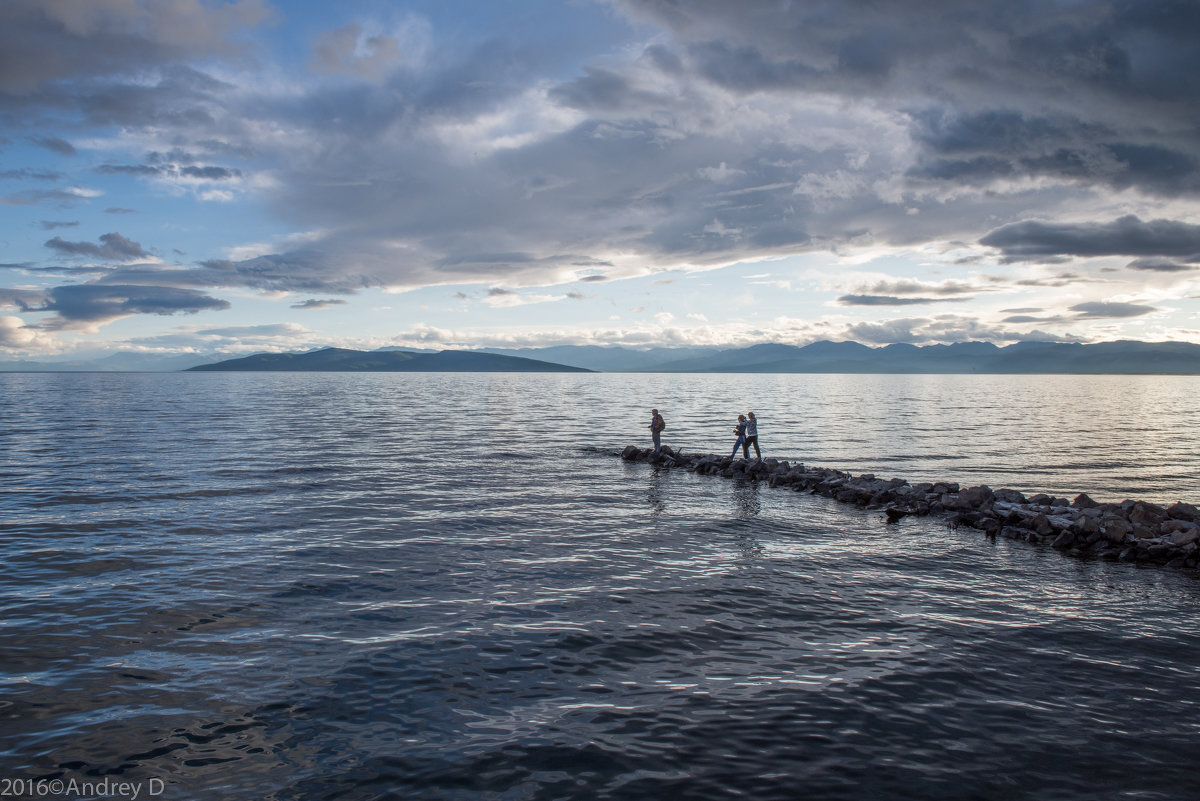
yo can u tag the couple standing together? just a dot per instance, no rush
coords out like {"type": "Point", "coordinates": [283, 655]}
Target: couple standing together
{"type": "Point", "coordinates": [747, 435]}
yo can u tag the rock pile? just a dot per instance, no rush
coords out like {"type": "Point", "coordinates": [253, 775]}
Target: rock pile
{"type": "Point", "coordinates": [1132, 531]}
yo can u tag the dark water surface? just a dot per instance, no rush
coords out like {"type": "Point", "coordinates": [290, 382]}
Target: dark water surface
{"type": "Point", "coordinates": [367, 586]}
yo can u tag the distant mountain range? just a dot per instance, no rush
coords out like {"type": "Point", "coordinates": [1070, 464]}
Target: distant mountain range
{"type": "Point", "coordinates": [1121, 357]}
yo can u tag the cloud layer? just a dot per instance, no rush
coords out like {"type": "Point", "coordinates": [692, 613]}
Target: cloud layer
{"type": "Point", "coordinates": [717, 133]}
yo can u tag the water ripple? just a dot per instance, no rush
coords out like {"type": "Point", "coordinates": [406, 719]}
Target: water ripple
{"type": "Point", "coordinates": [268, 586]}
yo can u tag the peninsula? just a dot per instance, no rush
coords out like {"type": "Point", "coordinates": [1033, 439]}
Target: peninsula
{"type": "Point", "coordinates": [343, 360]}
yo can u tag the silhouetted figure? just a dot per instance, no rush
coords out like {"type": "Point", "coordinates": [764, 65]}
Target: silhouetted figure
{"type": "Point", "coordinates": [740, 430]}
{"type": "Point", "coordinates": [657, 424]}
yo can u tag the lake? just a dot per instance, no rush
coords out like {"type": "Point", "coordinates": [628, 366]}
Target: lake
{"type": "Point", "coordinates": [447, 586]}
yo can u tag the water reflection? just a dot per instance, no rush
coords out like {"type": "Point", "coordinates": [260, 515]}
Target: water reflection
{"type": "Point", "coordinates": [746, 501]}
{"type": "Point", "coordinates": [656, 490]}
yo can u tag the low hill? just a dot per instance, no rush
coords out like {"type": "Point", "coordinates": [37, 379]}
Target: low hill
{"type": "Point", "coordinates": [342, 360]}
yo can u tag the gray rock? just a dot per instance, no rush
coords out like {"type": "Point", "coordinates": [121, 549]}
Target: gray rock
{"type": "Point", "coordinates": [1116, 528]}
{"type": "Point", "coordinates": [1144, 532]}
{"type": "Point", "coordinates": [1063, 540]}
{"type": "Point", "coordinates": [1147, 514]}
{"type": "Point", "coordinates": [1186, 537]}
{"type": "Point", "coordinates": [1082, 501]}
{"type": "Point", "coordinates": [1184, 511]}
{"type": "Point", "coordinates": [1085, 525]}
{"type": "Point", "coordinates": [975, 497]}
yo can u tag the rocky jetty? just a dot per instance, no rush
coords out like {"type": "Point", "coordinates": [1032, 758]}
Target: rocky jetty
{"type": "Point", "coordinates": [1130, 531]}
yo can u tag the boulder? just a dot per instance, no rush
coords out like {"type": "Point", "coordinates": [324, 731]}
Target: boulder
{"type": "Point", "coordinates": [1063, 540]}
{"type": "Point", "coordinates": [1115, 529]}
{"type": "Point", "coordinates": [1170, 526]}
{"type": "Point", "coordinates": [630, 453]}
{"type": "Point", "coordinates": [975, 497]}
{"type": "Point", "coordinates": [1041, 524]}
{"type": "Point", "coordinates": [1010, 496]}
{"type": "Point", "coordinates": [1186, 537]}
{"type": "Point", "coordinates": [1015, 533]}
{"type": "Point", "coordinates": [1082, 501]}
{"type": "Point", "coordinates": [989, 525]}
{"type": "Point", "coordinates": [1147, 514]}
{"type": "Point", "coordinates": [1184, 511]}
{"type": "Point", "coordinates": [1144, 532]}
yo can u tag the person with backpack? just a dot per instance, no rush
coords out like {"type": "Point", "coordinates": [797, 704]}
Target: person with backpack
{"type": "Point", "coordinates": [657, 424]}
{"type": "Point", "coordinates": [740, 430]}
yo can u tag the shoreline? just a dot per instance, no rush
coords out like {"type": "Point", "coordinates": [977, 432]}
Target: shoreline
{"type": "Point", "coordinates": [1129, 531]}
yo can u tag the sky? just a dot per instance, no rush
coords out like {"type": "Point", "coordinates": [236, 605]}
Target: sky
{"type": "Point", "coordinates": [186, 176]}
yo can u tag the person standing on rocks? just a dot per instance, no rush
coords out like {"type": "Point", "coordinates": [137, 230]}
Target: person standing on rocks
{"type": "Point", "coordinates": [740, 430]}
{"type": "Point", "coordinates": [657, 424]}
{"type": "Point", "coordinates": [751, 437]}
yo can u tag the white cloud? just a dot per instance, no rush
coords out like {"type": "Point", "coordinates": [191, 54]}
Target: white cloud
{"type": "Point", "coordinates": [16, 334]}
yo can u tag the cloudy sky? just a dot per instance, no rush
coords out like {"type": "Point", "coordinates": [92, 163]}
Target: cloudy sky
{"type": "Point", "coordinates": [193, 175]}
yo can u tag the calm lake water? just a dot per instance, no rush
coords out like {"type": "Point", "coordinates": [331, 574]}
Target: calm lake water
{"type": "Point", "coordinates": [445, 586]}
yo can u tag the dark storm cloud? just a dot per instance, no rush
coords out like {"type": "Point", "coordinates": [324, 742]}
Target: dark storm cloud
{"type": "Point", "coordinates": [211, 173]}
{"type": "Point", "coordinates": [994, 144]}
{"type": "Point", "coordinates": [294, 271]}
{"type": "Point", "coordinates": [1131, 46]}
{"type": "Point", "coordinates": [30, 175]}
{"type": "Point", "coordinates": [82, 305]}
{"type": "Point", "coordinates": [604, 90]}
{"type": "Point", "coordinates": [318, 304]}
{"type": "Point", "coordinates": [42, 42]}
{"type": "Point", "coordinates": [979, 79]}
{"type": "Point", "coordinates": [1029, 318]}
{"type": "Point", "coordinates": [947, 288]}
{"type": "Point", "coordinates": [54, 144]}
{"type": "Point", "coordinates": [30, 197]}
{"type": "Point", "coordinates": [1115, 310]}
{"type": "Point", "coordinates": [661, 166]}
{"type": "Point", "coordinates": [1160, 266]}
{"type": "Point", "coordinates": [207, 173]}
{"type": "Point", "coordinates": [112, 247]}
{"type": "Point", "coordinates": [128, 169]}
{"type": "Point", "coordinates": [885, 300]}
{"type": "Point", "coordinates": [1125, 236]}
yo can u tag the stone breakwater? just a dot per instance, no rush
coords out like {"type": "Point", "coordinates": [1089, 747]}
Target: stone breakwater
{"type": "Point", "coordinates": [1131, 531]}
